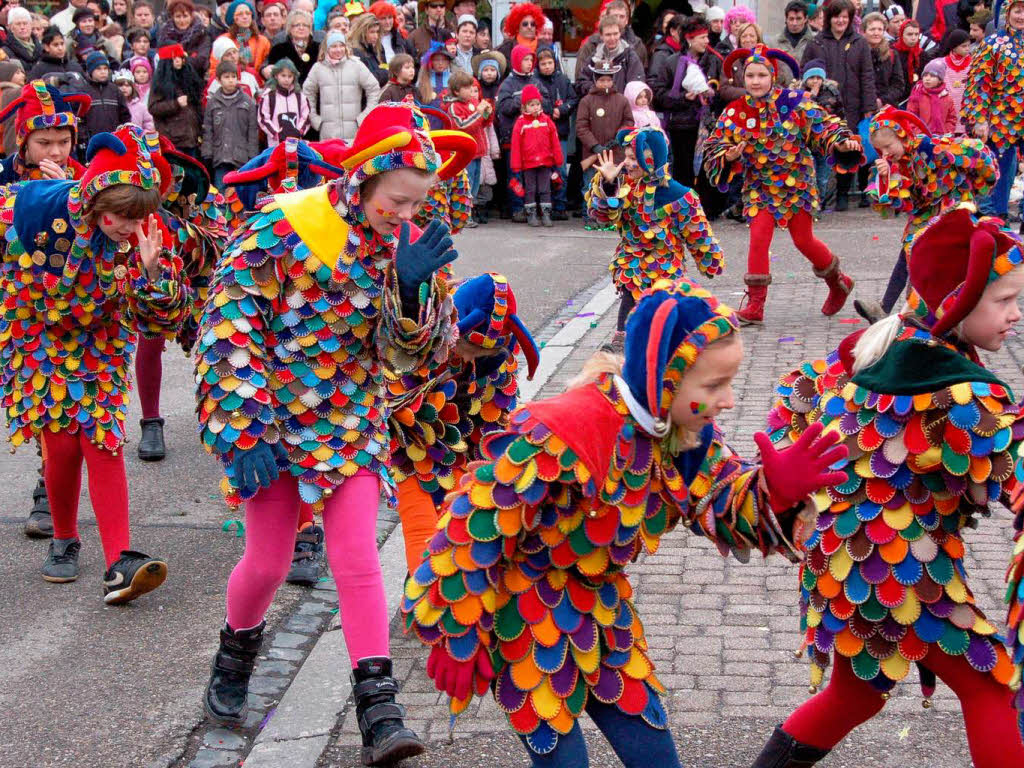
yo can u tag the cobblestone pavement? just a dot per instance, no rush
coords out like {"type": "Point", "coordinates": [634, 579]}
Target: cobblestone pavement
{"type": "Point", "coordinates": [723, 633]}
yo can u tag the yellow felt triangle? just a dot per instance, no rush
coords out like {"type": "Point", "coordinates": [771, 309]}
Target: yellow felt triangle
{"type": "Point", "coordinates": [311, 215]}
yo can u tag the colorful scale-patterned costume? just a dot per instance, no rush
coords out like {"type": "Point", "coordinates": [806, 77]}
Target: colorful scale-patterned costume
{"type": "Point", "coordinates": [780, 130]}
{"type": "Point", "coordinates": [933, 438]}
{"type": "Point", "coordinates": [933, 174]}
{"type": "Point", "coordinates": [304, 325]}
{"type": "Point", "coordinates": [530, 554]}
{"type": "Point", "coordinates": [656, 218]}
{"type": "Point", "coordinates": [1015, 598]}
{"type": "Point", "coordinates": [450, 201]}
{"type": "Point", "coordinates": [74, 302]}
{"type": "Point", "coordinates": [995, 87]}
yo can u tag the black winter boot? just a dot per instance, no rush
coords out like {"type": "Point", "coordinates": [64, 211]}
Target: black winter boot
{"type": "Point", "coordinates": [783, 751]}
{"type": "Point", "coordinates": [545, 215]}
{"type": "Point", "coordinates": [226, 697]}
{"type": "Point", "coordinates": [385, 737]}
{"type": "Point", "coordinates": [39, 524]}
{"type": "Point", "coordinates": [151, 444]}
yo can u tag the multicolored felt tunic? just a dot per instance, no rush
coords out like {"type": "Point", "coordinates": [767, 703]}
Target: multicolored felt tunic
{"type": "Point", "coordinates": [439, 418]}
{"type": "Point", "coordinates": [450, 201]}
{"type": "Point", "coordinates": [654, 232]}
{"type": "Point", "coordinates": [933, 174]}
{"type": "Point", "coordinates": [780, 131]}
{"type": "Point", "coordinates": [1015, 598]}
{"type": "Point", "coordinates": [73, 304]}
{"type": "Point", "coordinates": [302, 328]}
{"type": "Point", "coordinates": [995, 87]}
{"type": "Point", "coordinates": [531, 549]}
{"type": "Point", "coordinates": [933, 438]}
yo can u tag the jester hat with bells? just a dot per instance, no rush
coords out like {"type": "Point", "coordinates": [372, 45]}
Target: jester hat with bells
{"type": "Point", "coordinates": [670, 326]}
{"type": "Point", "coordinates": [42, 106]}
{"type": "Point", "coordinates": [952, 260]}
{"type": "Point", "coordinates": [488, 319]}
{"type": "Point", "coordinates": [908, 127]}
{"type": "Point", "coordinates": [292, 165]}
{"type": "Point", "coordinates": [651, 151]}
{"type": "Point", "coordinates": [759, 54]}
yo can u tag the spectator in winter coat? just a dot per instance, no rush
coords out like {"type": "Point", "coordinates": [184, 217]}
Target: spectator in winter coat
{"type": "Point", "coordinates": [21, 45]}
{"type": "Point", "coordinates": [670, 43]}
{"type": "Point", "coordinates": [490, 67]}
{"type": "Point", "coordinates": [435, 69]}
{"type": "Point", "coordinates": [509, 104]}
{"type": "Point", "coordinates": [253, 47]}
{"type": "Point", "coordinates": [12, 79]}
{"type": "Point", "coordinates": [471, 115]}
{"type": "Point", "coordinates": [84, 38]}
{"type": "Point", "coordinates": [715, 19]}
{"type": "Point", "coordinates": [615, 51]}
{"type": "Point", "coordinates": [958, 63]}
{"type": "Point", "coordinates": [337, 87]}
{"type": "Point", "coordinates": [401, 77]}
{"type": "Point", "coordinates": [142, 74]}
{"type": "Point", "coordinates": [736, 18]}
{"type": "Point", "coordinates": [889, 80]}
{"type": "Point", "coordinates": [536, 153]}
{"type": "Point", "coordinates": [435, 28]}
{"type": "Point", "coordinates": [283, 108]}
{"type": "Point", "coordinates": [911, 55]}
{"type": "Point", "coordinates": [139, 43]}
{"type": "Point", "coordinates": [602, 113]}
{"type": "Point", "coordinates": [564, 99]}
{"type": "Point", "coordinates": [618, 10]}
{"type": "Point", "coordinates": [272, 20]}
{"type": "Point", "coordinates": [364, 41]}
{"type": "Point", "coordinates": [175, 99]}
{"type": "Point", "coordinates": [299, 44]}
{"type": "Point", "coordinates": [230, 132]}
{"type": "Point", "coordinates": [522, 27]}
{"type": "Point", "coordinates": [109, 108]}
{"type": "Point", "coordinates": [793, 39]}
{"type": "Point", "coordinates": [930, 100]}
{"type": "Point", "coordinates": [682, 91]}
{"type": "Point", "coordinates": [825, 93]}
{"type": "Point", "coordinates": [54, 58]}
{"type": "Point", "coordinates": [640, 97]}
{"type": "Point", "coordinates": [137, 106]}
{"type": "Point", "coordinates": [465, 43]}
{"type": "Point", "coordinates": [226, 49]}
{"type": "Point", "coordinates": [391, 39]}
{"type": "Point", "coordinates": [186, 29]}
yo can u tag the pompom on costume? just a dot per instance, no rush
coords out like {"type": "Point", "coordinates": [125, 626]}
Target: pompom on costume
{"type": "Point", "coordinates": [934, 438]}
{"type": "Point", "coordinates": [312, 312]}
{"type": "Point", "coordinates": [75, 303]}
{"type": "Point", "coordinates": [995, 96]}
{"type": "Point", "coordinates": [439, 417]}
{"type": "Point", "coordinates": [656, 216]}
{"type": "Point", "coordinates": [526, 575]}
{"type": "Point", "coordinates": [779, 132]}
{"type": "Point", "coordinates": [38, 107]}
{"type": "Point", "coordinates": [934, 173]}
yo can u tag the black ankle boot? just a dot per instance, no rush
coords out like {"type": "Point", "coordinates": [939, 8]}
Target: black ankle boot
{"type": "Point", "coordinates": [783, 751]}
{"type": "Point", "coordinates": [226, 697]}
{"type": "Point", "coordinates": [385, 737]}
{"type": "Point", "coordinates": [151, 444]}
{"type": "Point", "coordinates": [39, 524]}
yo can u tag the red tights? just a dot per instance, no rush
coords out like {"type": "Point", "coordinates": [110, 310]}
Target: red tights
{"type": "Point", "coordinates": [848, 701]}
{"type": "Point", "coordinates": [801, 230]}
{"type": "Point", "coordinates": [148, 373]}
{"type": "Point", "coordinates": [108, 489]}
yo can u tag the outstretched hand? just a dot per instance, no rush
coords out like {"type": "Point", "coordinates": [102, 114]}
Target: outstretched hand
{"type": "Point", "coordinates": [607, 166]}
{"type": "Point", "coordinates": [794, 473]}
{"type": "Point", "coordinates": [456, 678]}
{"type": "Point", "coordinates": [416, 262]}
{"type": "Point", "coordinates": [734, 152]}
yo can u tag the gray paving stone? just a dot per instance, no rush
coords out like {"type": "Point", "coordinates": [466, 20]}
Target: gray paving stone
{"type": "Point", "coordinates": [215, 758]}
{"type": "Point", "coordinates": [222, 738]}
{"type": "Point", "coordinates": [290, 640]}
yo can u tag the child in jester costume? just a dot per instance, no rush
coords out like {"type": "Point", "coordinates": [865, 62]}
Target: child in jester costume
{"type": "Point", "coordinates": [919, 175]}
{"type": "Point", "coordinates": [318, 301]}
{"type": "Point", "coordinates": [524, 583]}
{"type": "Point", "coordinates": [767, 136]}
{"type": "Point", "coordinates": [81, 277]}
{"type": "Point", "coordinates": [196, 216]}
{"type": "Point", "coordinates": [993, 105]}
{"type": "Point", "coordinates": [439, 417]}
{"type": "Point", "coordinates": [46, 129]}
{"type": "Point", "coordinates": [656, 217]}
{"type": "Point", "coordinates": [933, 438]}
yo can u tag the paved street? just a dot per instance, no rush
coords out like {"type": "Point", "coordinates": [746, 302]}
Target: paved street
{"type": "Point", "coordinates": [88, 686]}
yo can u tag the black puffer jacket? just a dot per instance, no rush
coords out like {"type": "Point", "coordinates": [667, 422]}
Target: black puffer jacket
{"type": "Point", "coordinates": [890, 84]}
{"type": "Point", "coordinates": [680, 112]}
{"type": "Point", "coordinates": [848, 61]}
{"type": "Point", "coordinates": [510, 105]}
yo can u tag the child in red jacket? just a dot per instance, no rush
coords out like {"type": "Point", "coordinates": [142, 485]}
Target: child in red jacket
{"type": "Point", "coordinates": [536, 152]}
{"type": "Point", "coordinates": [931, 101]}
{"type": "Point", "coordinates": [471, 115]}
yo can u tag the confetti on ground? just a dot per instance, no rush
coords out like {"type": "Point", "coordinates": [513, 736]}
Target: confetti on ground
{"type": "Point", "coordinates": [585, 314]}
{"type": "Point", "coordinates": [874, 237]}
{"type": "Point", "coordinates": [904, 733]}
{"type": "Point", "coordinates": [234, 525]}
{"type": "Point", "coordinates": [266, 719]}
{"type": "Point", "coordinates": [783, 339]}
{"type": "Point", "coordinates": [849, 320]}
{"type": "Point", "coordinates": [568, 303]}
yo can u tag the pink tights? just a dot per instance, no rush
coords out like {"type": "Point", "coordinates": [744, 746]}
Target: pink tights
{"type": "Point", "coordinates": [350, 537]}
{"type": "Point", "coordinates": [148, 372]}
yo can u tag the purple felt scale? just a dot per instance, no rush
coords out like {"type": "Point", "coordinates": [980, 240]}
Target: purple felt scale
{"type": "Point", "coordinates": [509, 698]}
{"type": "Point", "coordinates": [563, 681]}
{"type": "Point", "coordinates": [980, 654]}
{"type": "Point", "coordinates": [874, 569]}
{"type": "Point", "coordinates": [609, 685]}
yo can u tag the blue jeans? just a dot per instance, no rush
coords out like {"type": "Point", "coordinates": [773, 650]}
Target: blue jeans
{"type": "Point", "coordinates": [823, 177]}
{"type": "Point", "coordinates": [637, 744]}
{"type": "Point", "coordinates": [997, 202]}
{"type": "Point", "coordinates": [473, 171]}
{"type": "Point", "coordinates": [558, 194]}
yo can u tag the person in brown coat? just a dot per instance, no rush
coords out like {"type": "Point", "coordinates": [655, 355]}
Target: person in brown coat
{"type": "Point", "coordinates": [602, 113]}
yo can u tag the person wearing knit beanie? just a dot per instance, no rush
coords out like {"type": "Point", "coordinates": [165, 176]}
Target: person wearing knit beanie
{"type": "Point", "coordinates": [958, 66]}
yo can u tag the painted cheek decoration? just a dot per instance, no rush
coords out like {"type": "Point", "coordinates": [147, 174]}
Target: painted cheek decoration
{"type": "Point", "coordinates": [107, 221]}
{"type": "Point", "coordinates": [696, 407]}
{"type": "Point", "coordinates": [387, 214]}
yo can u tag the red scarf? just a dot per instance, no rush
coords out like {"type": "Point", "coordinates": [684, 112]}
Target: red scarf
{"type": "Point", "coordinates": [672, 43]}
{"type": "Point", "coordinates": [913, 54]}
{"type": "Point", "coordinates": [958, 64]}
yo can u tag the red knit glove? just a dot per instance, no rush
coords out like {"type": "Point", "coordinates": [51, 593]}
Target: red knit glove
{"type": "Point", "coordinates": [456, 678]}
{"type": "Point", "coordinates": [794, 473]}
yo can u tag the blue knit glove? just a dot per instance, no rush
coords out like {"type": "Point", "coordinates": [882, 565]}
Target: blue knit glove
{"type": "Point", "coordinates": [416, 262]}
{"type": "Point", "coordinates": [257, 467]}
